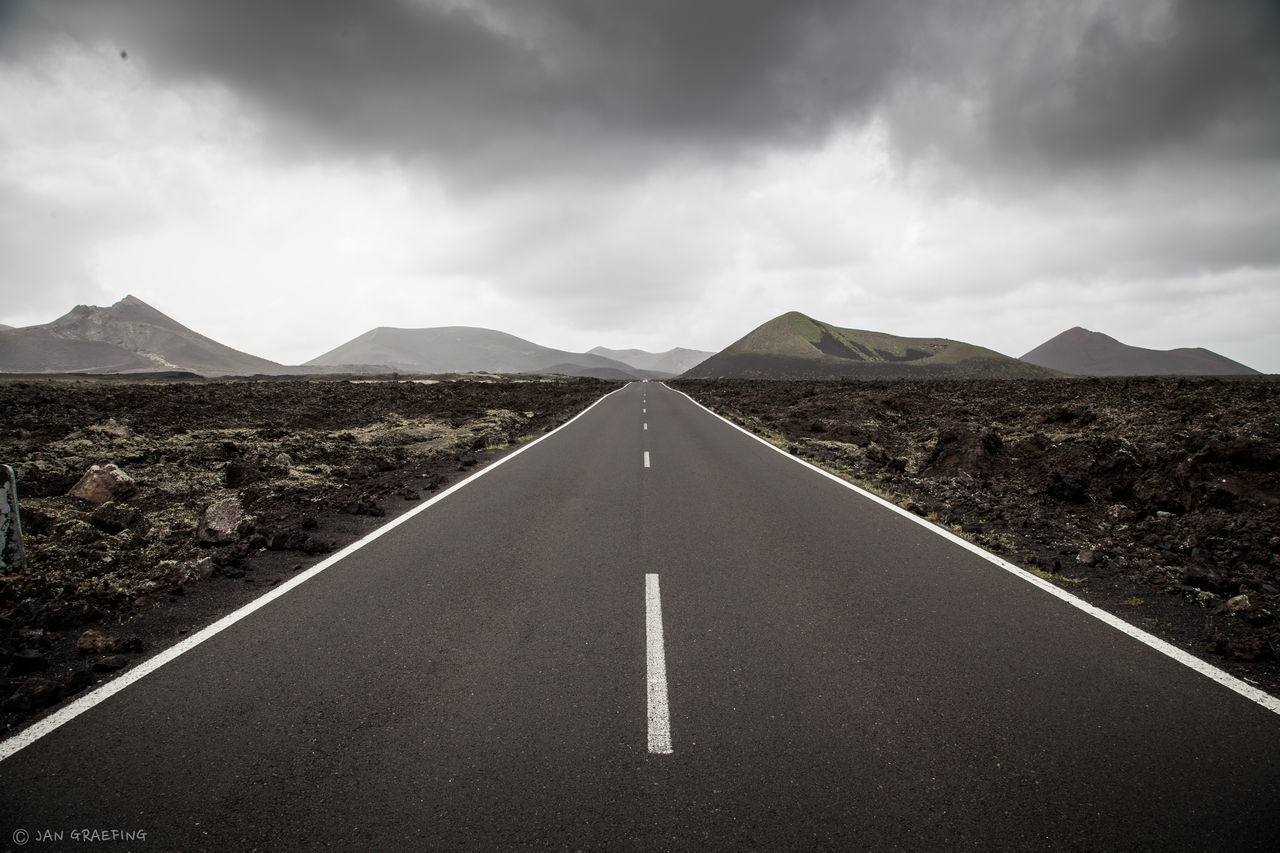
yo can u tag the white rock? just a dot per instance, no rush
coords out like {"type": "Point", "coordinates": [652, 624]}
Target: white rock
{"type": "Point", "coordinates": [221, 522]}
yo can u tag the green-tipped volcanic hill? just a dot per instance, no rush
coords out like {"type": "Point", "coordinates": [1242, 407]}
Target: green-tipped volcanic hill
{"type": "Point", "coordinates": [794, 346]}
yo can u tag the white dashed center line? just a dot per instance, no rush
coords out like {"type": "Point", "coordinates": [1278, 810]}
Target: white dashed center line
{"type": "Point", "coordinates": [655, 654]}
{"type": "Point", "coordinates": [646, 459]}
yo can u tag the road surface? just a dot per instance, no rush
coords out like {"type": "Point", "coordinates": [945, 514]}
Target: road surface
{"type": "Point", "coordinates": [831, 675]}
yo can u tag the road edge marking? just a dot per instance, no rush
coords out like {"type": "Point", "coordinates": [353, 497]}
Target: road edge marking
{"type": "Point", "coordinates": [40, 728]}
{"type": "Point", "coordinates": [1248, 691]}
{"type": "Point", "coordinates": [659, 709]}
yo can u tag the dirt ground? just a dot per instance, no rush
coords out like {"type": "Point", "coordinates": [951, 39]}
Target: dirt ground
{"type": "Point", "coordinates": [1155, 499]}
{"type": "Point", "coordinates": [230, 487]}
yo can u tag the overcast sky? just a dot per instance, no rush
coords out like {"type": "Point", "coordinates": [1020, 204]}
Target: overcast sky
{"type": "Point", "coordinates": [283, 176]}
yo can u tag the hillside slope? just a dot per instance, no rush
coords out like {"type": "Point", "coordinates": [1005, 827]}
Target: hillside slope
{"type": "Point", "coordinates": [794, 346]}
{"type": "Point", "coordinates": [1086, 353]}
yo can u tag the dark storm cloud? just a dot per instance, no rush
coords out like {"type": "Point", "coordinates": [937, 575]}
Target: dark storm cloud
{"type": "Point", "coordinates": [1208, 77]}
{"type": "Point", "coordinates": [562, 85]}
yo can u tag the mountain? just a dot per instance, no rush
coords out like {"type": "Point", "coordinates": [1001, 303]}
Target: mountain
{"type": "Point", "coordinates": [1087, 353]}
{"type": "Point", "coordinates": [673, 361]}
{"type": "Point", "coordinates": [794, 346]}
{"type": "Point", "coordinates": [465, 349]}
{"type": "Point", "coordinates": [128, 337]}
{"type": "Point", "coordinates": [4, 327]}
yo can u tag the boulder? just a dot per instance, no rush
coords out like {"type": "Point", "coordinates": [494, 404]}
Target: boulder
{"type": "Point", "coordinates": [102, 483]}
{"type": "Point", "coordinates": [94, 642]}
{"type": "Point", "coordinates": [961, 450]}
{"type": "Point", "coordinates": [221, 523]}
{"type": "Point", "coordinates": [1202, 577]}
{"type": "Point", "coordinates": [33, 694]}
{"type": "Point", "coordinates": [113, 517]}
{"type": "Point", "coordinates": [111, 663]}
{"type": "Point", "coordinates": [27, 661]}
{"type": "Point", "coordinates": [238, 474]}
{"type": "Point", "coordinates": [1238, 604]}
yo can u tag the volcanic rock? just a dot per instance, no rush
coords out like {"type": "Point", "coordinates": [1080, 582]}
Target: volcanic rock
{"type": "Point", "coordinates": [221, 522]}
{"type": "Point", "coordinates": [25, 661]}
{"type": "Point", "coordinates": [102, 483]}
{"type": "Point", "coordinates": [93, 642]}
{"type": "Point", "coordinates": [112, 517]}
{"type": "Point", "coordinates": [965, 451]}
{"type": "Point", "coordinates": [1238, 604]}
{"type": "Point", "coordinates": [33, 694]}
{"type": "Point", "coordinates": [111, 663]}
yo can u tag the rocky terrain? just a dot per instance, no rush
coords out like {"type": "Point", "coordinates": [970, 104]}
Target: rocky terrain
{"type": "Point", "coordinates": [1155, 499]}
{"type": "Point", "coordinates": [150, 508]}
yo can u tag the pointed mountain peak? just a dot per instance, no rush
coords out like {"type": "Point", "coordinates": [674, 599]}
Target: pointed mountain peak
{"type": "Point", "coordinates": [1086, 353]}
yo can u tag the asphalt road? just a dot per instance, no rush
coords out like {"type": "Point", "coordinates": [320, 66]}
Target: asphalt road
{"type": "Point", "coordinates": [837, 677]}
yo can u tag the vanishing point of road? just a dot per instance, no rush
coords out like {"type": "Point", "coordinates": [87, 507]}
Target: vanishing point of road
{"type": "Point", "coordinates": [651, 631]}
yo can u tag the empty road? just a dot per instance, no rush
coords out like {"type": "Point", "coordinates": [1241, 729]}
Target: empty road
{"type": "Point", "coordinates": [651, 631]}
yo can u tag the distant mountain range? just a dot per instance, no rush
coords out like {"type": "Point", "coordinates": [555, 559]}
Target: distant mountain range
{"type": "Point", "coordinates": [1082, 352]}
{"type": "Point", "coordinates": [128, 337]}
{"type": "Point", "coordinates": [132, 337]}
{"type": "Point", "coordinates": [462, 349]}
{"type": "Point", "coordinates": [672, 362]}
{"type": "Point", "coordinates": [794, 346]}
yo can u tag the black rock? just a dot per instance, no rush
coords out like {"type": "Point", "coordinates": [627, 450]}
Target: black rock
{"type": "Point", "coordinates": [27, 661]}
{"type": "Point", "coordinates": [33, 694]}
{"type": "Point", "coordinates": [1067, 487]}
{"type": "Point", "coordinates": [80, 680]}
{"type": "Point", "coordinates": [112, 517]}
{"type": "Point", "coordinates": [238, 474]}
{"type": "Point", "coordinates": [1201, 577]}
{"type": "Point", "coordinates": [111, 663]}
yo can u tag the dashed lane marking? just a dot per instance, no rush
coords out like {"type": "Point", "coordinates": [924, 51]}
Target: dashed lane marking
{"type": "Point", "coordinates": [656, 657]}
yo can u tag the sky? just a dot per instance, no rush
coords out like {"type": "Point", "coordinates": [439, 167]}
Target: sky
{"type": "Point", "coordinates": [283, 176]}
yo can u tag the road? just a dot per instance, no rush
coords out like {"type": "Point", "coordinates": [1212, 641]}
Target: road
{"type": "Point", "coordinates": [483, 677]}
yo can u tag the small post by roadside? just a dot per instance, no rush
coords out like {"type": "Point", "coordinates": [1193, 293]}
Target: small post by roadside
{"type": "Point", "coordinates": [11, 557]}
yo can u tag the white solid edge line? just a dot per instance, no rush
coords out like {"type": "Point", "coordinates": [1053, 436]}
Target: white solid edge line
{"type": "Point", "coordinates": [656, 660]}
{"type": "Point", "coordinates": [40, 728]}
{"type": "Point", "coordinates": [1266, 700]}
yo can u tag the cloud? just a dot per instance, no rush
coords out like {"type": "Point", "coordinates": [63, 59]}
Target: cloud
{"type": "Point", "coordinates": [645, 173]}
{"type": "Point", "coordinates": [493, 90]}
